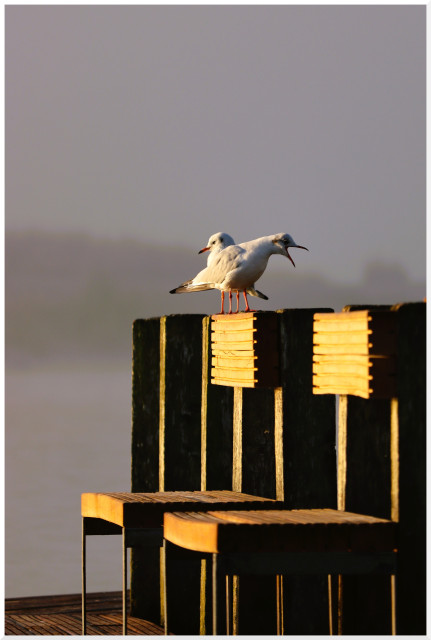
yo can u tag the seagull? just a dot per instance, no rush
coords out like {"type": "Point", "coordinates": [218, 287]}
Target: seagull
{"type": "Point", "coordinates": [216, 243]}
{"type": "Point", "coordinates": [239, 266]}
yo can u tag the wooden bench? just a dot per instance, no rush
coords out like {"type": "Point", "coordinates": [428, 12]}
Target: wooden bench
{"type": "Point", "coordinates": [138, 517]}
{"type": "Point", "coordinates": [296, 542]}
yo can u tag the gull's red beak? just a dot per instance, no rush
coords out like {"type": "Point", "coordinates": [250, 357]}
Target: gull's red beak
{"type": "Point", "coordinates": [290, 257]}
{"type": "Point", "coordinates": [204, 249]}
{"type": "Point", "coordinates": [297, 246]}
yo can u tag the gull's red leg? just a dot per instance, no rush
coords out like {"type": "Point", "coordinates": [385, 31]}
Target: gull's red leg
{"type": "Point", "coordinates": [230, 301]}
{"type": "Point", "coordinates": [247, 308]}
{"type": "Point", "coordinates": [222, 303]}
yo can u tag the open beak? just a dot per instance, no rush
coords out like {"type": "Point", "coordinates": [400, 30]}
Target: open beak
{"type": "Point", "coordinates": [297, 246]}
{"type": "Point", "coordinates": [204, 249]}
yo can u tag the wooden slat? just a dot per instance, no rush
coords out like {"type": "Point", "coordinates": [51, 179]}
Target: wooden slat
{"type": "Point", "coordinates": [233, 382]}
{"type": "Point", "coordinates": [146, 509]}
{"type": "Point", "coordinates": [353, 353]}
{"type": "Point", "coordinates": [295, 530]}
{"type": "Point", "coordinates": [61, 615]}
{"type": "Point", "coordinates": [245, 342]}
{"type": "Point", "coordinates": [221, 346]}
{"type": "Point", "coordinates": [226, 361]}
{"type": "Point", "coordinates": [246, 375]}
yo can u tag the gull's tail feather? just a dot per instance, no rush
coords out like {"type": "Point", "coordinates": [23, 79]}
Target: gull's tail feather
{"type": "Point", "coordinates": [258, 294]}
{"type": "Point", "coordinates": [187, 287]}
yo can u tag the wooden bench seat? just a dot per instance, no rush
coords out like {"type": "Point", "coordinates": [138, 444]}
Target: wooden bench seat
{"type": "Point", "coordinates": [138, 517]}
{"type": "Point", "coordinates": [303, 541]}
{"type": "Point", "coordinates": [141, 510]}
{"type": "Point", "coordinates": [284, 530]}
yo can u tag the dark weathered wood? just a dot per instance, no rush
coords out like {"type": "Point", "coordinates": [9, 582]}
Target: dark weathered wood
{"type": "Point", "coordinates": [145, 563]}
{"type": "Point", "coordinates": [180, 462]}
{"type": "Point", "coordinates": [280, 530]}
{"type": "Point", "coordinates": [180, 451]}
{"type": "Point", "coordinates": [254, 472]}
{"type": "Point", "coordinates": [216, 424]}
{"type": "Point", "coordinates": [145, 405]}
{"type": "Point", "coordinates": [61, 615]}
{"type": "Point", "coordinates": [411, 580]}
{"type": "Point", "coordinates": [366, 605]}
{"type": "Point", "coordinates": [309, 463]}
{"type": "Point", "coordinates": [166, 439]}
{"type": "Point", "coordinates": [306, 476]}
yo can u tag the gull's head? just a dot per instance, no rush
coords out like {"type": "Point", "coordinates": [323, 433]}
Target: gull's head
{"type": "Point", "coordinates": [284, 241]}
{"type": "Point", "coordinates": [217, 242]}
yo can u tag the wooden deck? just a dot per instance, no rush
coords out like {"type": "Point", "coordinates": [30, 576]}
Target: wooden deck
{"type": "Point", "coordinates": [61, 616]}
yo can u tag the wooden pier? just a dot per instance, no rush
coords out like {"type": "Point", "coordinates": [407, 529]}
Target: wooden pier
{"type": "Point", "coordinates": [61, 616]}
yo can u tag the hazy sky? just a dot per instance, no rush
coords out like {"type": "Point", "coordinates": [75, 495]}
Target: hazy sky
{"type": "Point", "coordinates": [169, 123]}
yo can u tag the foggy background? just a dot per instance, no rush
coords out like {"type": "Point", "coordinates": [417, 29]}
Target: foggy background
{"type": "Point", "coordinates": [133, 133]}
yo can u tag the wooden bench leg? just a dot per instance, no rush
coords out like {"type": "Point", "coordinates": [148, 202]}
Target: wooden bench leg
{"type": "Point", "coordinates": [393, 606]}
{"type": "Point", "coordinates": [165, 591]}
{"type": "Point", "coordinates": [124, 583]}
{"type": "Point", "coordinates": [229, 620]}
{"type": "Point", "coordinates": [214, 576]}
{"type": "Point", "coordinates": [84, 579]}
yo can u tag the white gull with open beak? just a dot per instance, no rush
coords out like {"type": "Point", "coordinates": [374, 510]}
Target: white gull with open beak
{"type": "Point", "coordinates": [239, 266]}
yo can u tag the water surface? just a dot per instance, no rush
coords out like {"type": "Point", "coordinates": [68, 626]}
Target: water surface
{"type": "Point", "coordinates": [68, 430]}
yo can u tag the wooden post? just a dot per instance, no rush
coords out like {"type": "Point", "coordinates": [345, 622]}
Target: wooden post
{"type": "Point", "coordinates": [305, 458]}
{"type": "Point", "coordinates": [284, 447]}
{"type": "Point", "coordinates": [365, 599]}
{"type": "Point", "coordinates": [364, 471]}
{"type": "Point", "coordinates": [385, 477]}
{"type": "Point", "coordinates": [145, 569]}
{"type": "Point", "coordinates": [255, 604]}
{"type": "Point", "coordinates": [180, 453]}
{"type": "Point", "coordinates": [216, 424]}
{"type": "Point", "coordinates": [216, 459]}
{"type": "Point", "coordinates": [411, 578]}
{"type": "Point", "coordinates": [166, 454]}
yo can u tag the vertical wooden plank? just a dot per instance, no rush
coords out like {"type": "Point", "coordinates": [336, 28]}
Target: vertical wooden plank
{"type": "Point", "coordinates": [145, 572]}
{"type": "Point", "coordinates": [237, 440]}
{"type": "Point", "coordinates": [366, 599]}
{"type": "Point", "coordinates": [278, 446]}
{"type": "Point", "coordinates": [217, 421]}
{"type": "Point", "coordinates": [309, 464]}
{"type": "Point", "coordinates": [182, 403]}
{"type": "Point", "coordinates": [145, 405]}
{"type": "Point", "coordinates": [180, 455]}
{"type": "Point", "coordinates": [216, 457]}
{"type": "Point", "coordinates": [342, 452]}
{"type": "Point", "coordinates": [411, 578]}
{"type": "Point", "coordinates": [255, 604]}
{"type": "Point", "coordinates": [366, 607]}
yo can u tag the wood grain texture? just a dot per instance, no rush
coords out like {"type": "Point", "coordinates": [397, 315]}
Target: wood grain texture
{"type": "Point", "coordinates": [366, 599]}
{"type": "Point", "coordinates": [354, 353]}
{"type": "Point", "coordinates": [145, 569]}
{"type": "Point", "coordinates": [411, 580]}
{"type": "Point", "coordinates": [301, 530]}
{"type": "Point", "coordinates": [244, 350]}
{"type": "Point", "coordinates": [146, 510]}
{"type": "Point", "coordinates": [61, 616]}
{"type": "Point", "coordinates": [306, 453]}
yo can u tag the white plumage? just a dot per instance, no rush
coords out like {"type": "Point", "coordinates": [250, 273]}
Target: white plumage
{"type": "Point", "coordinates": [239, 266]}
